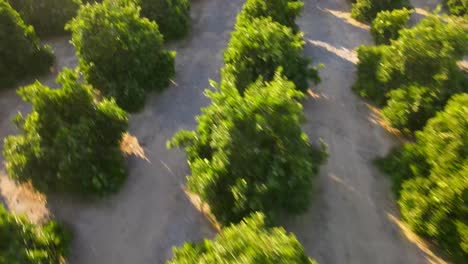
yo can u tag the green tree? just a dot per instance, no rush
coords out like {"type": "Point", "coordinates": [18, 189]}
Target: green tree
{"type": "Point", "coordinates": [457, 7]}
{"type": "Point", "coordinates": [423, 56]}
{"type": "Point", "coordinates": [172, 16]}
{"type": "Point", "coordinates": [281, 11]}
{"type": "Point", "coordinates": [403, 164]}
{"type": "Point", "coordinates": [432, 176]}
{"type": "Point", "coordinates": [252, 53]}
{"type": "Point", "coordinates": [428, 52]}
{"type": "Point", "coordinates": [369, 84]}
{"type": "Point", "coordinates": [249, 153]}
{"type": "Point", "coordinates": [21, 54]}
{"type": "Point", "coordinates": [409, 107]}
{"type": "Point", "coordinates": [387, 24]}
{"type": "Point", "coordinates": [120, 53]}
{"type": "Point", "coordinates": [248, 242]}
{"type": "Point", "coordinates": [21, 242]}
{"type": "Point", "coordinates": [70, 141]}
{"type": "Point", "coordinates": [48, 17]}
{"type": "Point", "coordinates": [367, 10]}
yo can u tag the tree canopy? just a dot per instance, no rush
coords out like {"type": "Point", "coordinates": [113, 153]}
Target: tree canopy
{"type": "Point", "coordinates": [172, 16]}
{"type": "Point", "coordinates": [70, 140]}
{"type": "Point", "coordinates": [431, 178]}
{"type": "Point", "coordinates": [22, 242]}
{"type": "Point", "coordinates": [248, 242]}
{"type": "Point", "coordinates": [257, 49]}
{"type": "Point", "coordinates": [420, 65]}
{"type": "Point", "coordinates": [120, 53]}
{"type": "Point", "coordinates": [284, 12]}
{"type": "Point", "coordinates": [387, 24]}
{"type": "Point", "coordinates": [48, 17]}
{"type": "Point", "coordinates": [21, 53]}
{"type": "Point", "coordinates": [457, 7]}
{"type": "Point", "coordinates": [249, 153]}
{"type": "Point", "coordinates": [367, 10]}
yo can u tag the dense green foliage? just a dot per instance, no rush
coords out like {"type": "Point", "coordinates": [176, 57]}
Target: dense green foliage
{"type": "Point", "coordinates": [367, 10]}
{"type": "Point", "coordinates": [409, 107]}
{"type": "Point", "coordinates": [120, 53]}
{"type": "Point", "coordinates": [249, 242]}
{"type": "Point", "coordinates": [20, 51]}
{"type": "Point", "coordinates": [457, 7]}
{"type": "Point", "coordinates": [70, 141]}
{"type": "Point", "coordinates": [21, 242]}
{"type": "Point", "coordinates": [427, 53]}
{"type": "Point", "coordinates": [386, 25]}
{"type": "Point", "coordinates": [423, 56]}
{"type": "Point", "coordinates": [281, 11]}
{"type": "Point", "coordinates": [369, 84]}
{"type": "Point", "coordinates": [172, 16]}
{"type": "Point", "coordinates": [431, 178]}
{"type": "Point", "coordinates": [259, 48]}
{"type": "Point", "coordinates": [249, 153]}
{"type": "Point", "coordinates": [48, 17]}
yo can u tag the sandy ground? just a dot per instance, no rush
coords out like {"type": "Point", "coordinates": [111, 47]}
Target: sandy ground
{"type": "Point", "coordinates": [353, 218]}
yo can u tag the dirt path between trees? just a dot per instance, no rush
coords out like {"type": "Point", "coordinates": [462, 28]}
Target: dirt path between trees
{"type": "Point", "coordinates": [353, 218]}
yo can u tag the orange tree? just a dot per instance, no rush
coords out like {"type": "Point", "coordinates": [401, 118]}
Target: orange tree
{"type": "Point", "coordinates": [367, 10]}
{"type": "Point", "coordinates": [70, 140]}
{"type": "Point", "coordinates": [21, 53]}
{"type": "Point", "coordinates": [284, 12]}
{"type": "Point", "coordinates": [48, 17]}
{"type": "Point", "coordinates": [249, 153]}
{"type": "Point", "coordinates": [120, 53]}
{"type": "Point", "coordinates": [172, 16]}
{"type": "Point", "coordinates": [258, 48]}
{"type": "Point", "coordinates": [431, 178]}
{"type": "Point", "coordinates": [414, 76]}
{"type": "Point", "coordinates": [250, 241]}
{"type": "Point", "coordinates": [22, 242]}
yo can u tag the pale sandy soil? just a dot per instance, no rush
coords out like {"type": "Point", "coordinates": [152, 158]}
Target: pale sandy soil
{"type": "Point", "coordinates": [354, 217]}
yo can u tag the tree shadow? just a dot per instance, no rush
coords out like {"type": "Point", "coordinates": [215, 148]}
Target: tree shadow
{"type": "Point", "coordinates": [331, 22]}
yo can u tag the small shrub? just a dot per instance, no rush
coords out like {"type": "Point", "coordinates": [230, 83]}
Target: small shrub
{"type": "Point", "coordinates": [250, 241]}
{"type": "Point", "coordinates": [70, 141]}
{"type": "Point", "coordinates": [457, 7]}
{"type": "Point", "coordinates": [48, 17]}
{"type": "Point", "coordinates": [21, 54]}
{"type": "Point", "coordinates": [249, 154]}
{"type": "Point", "coordinates": [252, 53]}
{"type": "Point", "coordinates": [367, 10]}
{"type": "Point", "coordinates": [120, 53]}
{"type": "Point", "coordinates": [281, 11]}
{"type": "Point", "coordinates": [409, 107]}
{"type": "Point", "coordinates": [21, 242]}
{"type": "Point", "coordinates": [386, 25]}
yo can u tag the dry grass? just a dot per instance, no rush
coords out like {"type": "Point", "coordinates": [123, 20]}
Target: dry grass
{"type": "Point", "coordinates": [130, 146]}
{"type": "Point", "coordinates": [204, 208]}
{"type": "Point", "coordinates": [376, 118]}
{"type": "Point", "coordinates": [343, 53]}
{"type": "Point", "coordinates": [24, 199]}
{"type": "Point", "coordinates": [346, 17]}
{"type": "Point", "coordinates": [417, 241]}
